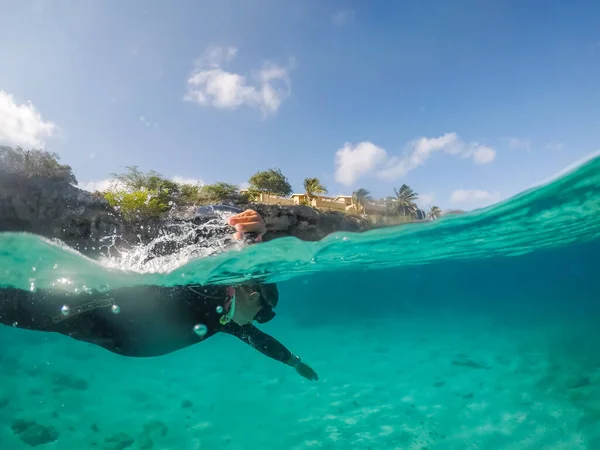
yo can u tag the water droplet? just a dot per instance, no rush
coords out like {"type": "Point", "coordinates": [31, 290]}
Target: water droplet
{"type": "Point", "coordinates": [219, 309]}
{"type": "Point", "coordinates": [55, 266]}
{"type": "Point", "coordinates": [115, 309]}
{"type": "Point", "coordinates": [200, 330]}
{"type": "Point", "coordinates": [65, 310]}
{"type": "Point", "coordinates": [33, 268]}
{"type": "Point", "coordinates": [15, 324]}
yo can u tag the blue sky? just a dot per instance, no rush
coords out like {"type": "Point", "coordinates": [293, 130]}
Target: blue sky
{"type": "Point", "coordinates": [468, 102]}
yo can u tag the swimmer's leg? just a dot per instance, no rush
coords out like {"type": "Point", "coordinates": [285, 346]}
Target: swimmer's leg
{"type": "Point", "coordinates": [129, 321]}
{"type": "Point", "coordinates": [81, 317]}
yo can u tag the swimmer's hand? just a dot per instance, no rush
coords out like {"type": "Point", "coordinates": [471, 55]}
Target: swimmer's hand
{"type": "Point", "coordinates": [248, 221]}
{"type": "Point", "coordinates": [307, 372]}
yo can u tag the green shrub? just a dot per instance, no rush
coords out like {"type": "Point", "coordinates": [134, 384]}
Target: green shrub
{"type": "Point", "coordinates": [138, 205]}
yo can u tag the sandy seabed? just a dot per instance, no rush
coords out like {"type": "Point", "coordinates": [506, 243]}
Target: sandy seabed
{"type": "Point", "coordinates": [417, 383]}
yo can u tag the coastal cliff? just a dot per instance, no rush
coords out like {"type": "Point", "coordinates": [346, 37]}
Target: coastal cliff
{"type": "Point", "coordinates": [86, 222]}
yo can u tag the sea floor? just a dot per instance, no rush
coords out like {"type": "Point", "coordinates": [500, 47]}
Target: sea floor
{"type": "Point", "coordinates": [413, 383]}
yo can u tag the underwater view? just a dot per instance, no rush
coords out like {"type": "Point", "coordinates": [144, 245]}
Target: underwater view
{"type": "Point", "coordinates": [299, 225]}
{"type": "Point", "coordinates": [478, 331]}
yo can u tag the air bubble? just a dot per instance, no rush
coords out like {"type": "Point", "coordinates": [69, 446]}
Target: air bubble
{"type": "Point", "coordinates": [219, 309]}
{"type": "Point", "coordinates": [65, 310]}
{"type": "Point", "coordinates": [15, 324]}
{"type": "Point", "coordinates": [115, 309]}
{"type": "Point", "coordinates": [200, 330]}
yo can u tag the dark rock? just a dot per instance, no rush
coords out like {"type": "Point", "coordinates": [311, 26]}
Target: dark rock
{"type": "Point", "coordinates": [4, 402]}
{"type": "Point", "coordinates": [95, 428]}
{"type": "Point", "coordinates": [155, 427]}
{"type": "Point", "coordinates": [186, 404]}
{"type": "Point", "coordinates": [56, 210]}
{"type": "Point", "coordinates": [32, 433]}
{"type": "Point", "coordinates": [438, 384]}
{"type": "Point", "coordinates": [467, 362]}
{"type": "Point", "coordinates": [306, 223]}
{"type": "Point", "coordinates": [118, 441]}
{"type": "Point", "coordinates": [64, 380]}
{"type": "Point", "coordinates": [579, 382]}
{"type": "Point", "coordinates": [144, 442]}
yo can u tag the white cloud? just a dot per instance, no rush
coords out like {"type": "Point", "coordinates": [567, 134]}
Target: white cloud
{"type": "Point", "coordinates": [518, 143]}
{"type": "Point", "coordinates": [22, 125]}
{"type": "Point", "coordinates": [109, 183]}
{"type": "Point", "coordinates": [343, 17]}
{"type": "Point", "coordinates": [352, 162]}
{"type": "Point", "coordinates": [185, 180]}
{"type": "Point", "coordinates": [420, 150]}
{"type": "Point", "coordinates": [211, 86]}
{"type": "Point", "coordinates": [483, 154]}
{"type": "Point", "coordinates": [99, 185]}
{"type": "Point", "coordinates": [474, 197]}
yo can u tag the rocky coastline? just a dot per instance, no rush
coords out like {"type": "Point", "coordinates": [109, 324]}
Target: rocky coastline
{"type": "Point", "coordinates": [83, 220]}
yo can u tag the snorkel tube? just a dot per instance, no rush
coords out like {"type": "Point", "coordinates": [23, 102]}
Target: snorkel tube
{"type": "Point", "coordinates": [205, 214]}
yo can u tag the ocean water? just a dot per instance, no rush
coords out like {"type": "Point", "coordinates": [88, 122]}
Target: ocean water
{"type": "Point", "coordinates": [477, 331]}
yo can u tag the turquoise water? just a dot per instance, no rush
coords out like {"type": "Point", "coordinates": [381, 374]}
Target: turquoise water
{"type": "Point", "coordinates": [479, 331]}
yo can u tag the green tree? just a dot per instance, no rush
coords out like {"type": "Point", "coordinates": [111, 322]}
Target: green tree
{"type": "Point", "coordinates": [434, 212]}
{"type": "Point", "coordinates": [405, 200]}
{"type": "Point", "coordinates": [136, 180]}
{"type": "Point", "coordinates": [313, 186]}
{"type": "Point", "coordinates": [35, 163]}
{"type": "Point", "coordinates": [271, 182]}
{"type": "Point", "coordinates": [360, 197]}
{"type": "Point", "coordinates": [220, 193]}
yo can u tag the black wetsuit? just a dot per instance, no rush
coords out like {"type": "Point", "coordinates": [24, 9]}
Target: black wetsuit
{"type": "Point", "coordinates": [133, 321]}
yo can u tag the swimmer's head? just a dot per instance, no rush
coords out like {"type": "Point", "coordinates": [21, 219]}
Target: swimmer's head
{"type": "Point", "coordinates": [255, 302]}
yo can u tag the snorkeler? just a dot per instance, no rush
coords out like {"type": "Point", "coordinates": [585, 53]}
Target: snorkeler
{"type": "Point", "coordinates": [146, 321]}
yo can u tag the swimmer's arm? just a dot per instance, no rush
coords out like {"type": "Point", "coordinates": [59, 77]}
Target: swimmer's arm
{"type": "Point", "coordinates": [271, 347]}
{"type": "Point", "coordinates": [267, 345]}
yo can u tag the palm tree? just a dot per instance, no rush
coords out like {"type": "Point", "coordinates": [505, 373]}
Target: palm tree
{"type": "Point", "coordinates": [405, 200]}
{"type": "Point", "coordinates": [360, 197]}
{"type": "Point", "coordinates": [434, 213]}
{"type": "Point", "coordinates": [313, 186]}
